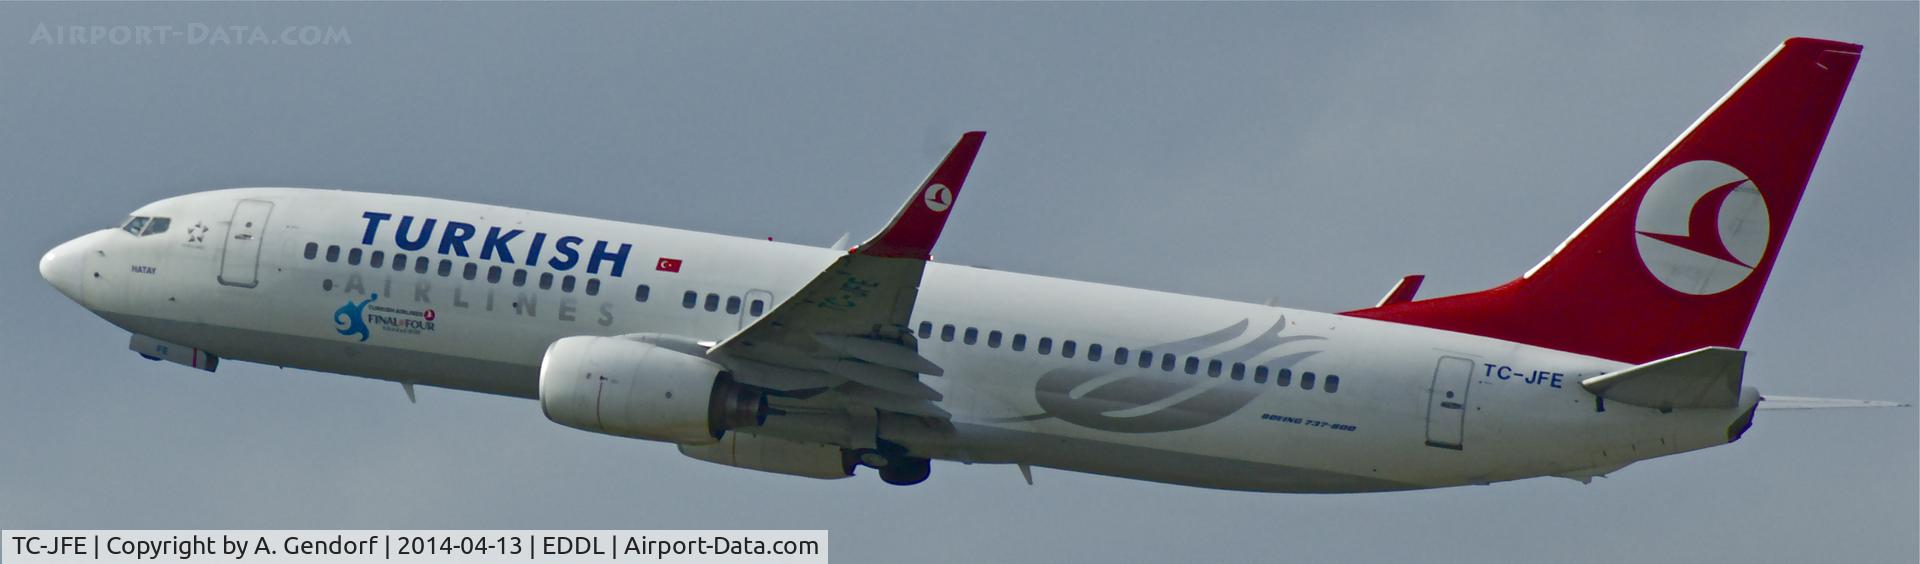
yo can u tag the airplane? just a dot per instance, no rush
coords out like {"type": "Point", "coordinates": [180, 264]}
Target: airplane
{"type": "Point", "coordinates": [1621, 345]}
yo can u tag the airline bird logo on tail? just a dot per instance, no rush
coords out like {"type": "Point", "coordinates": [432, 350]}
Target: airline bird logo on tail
{"type": "Point", "coordinates": [1702, 227]}
{"type": "Point", "coordinates": [939, 198]}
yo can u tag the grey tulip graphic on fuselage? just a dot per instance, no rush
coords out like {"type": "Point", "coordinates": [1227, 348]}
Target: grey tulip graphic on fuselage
{"type": "Point", "coordinates": [1131, 387]}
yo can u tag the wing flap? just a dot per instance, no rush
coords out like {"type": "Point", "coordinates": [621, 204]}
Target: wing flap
{"type": "Point", "coordinates": [890, 380]}
{"type": "Point", "coordinates": [891, 354]}
{"type": "Point", "coordinates": [778, 377]}
{"type": "Point", "coordinates": [886, 401]}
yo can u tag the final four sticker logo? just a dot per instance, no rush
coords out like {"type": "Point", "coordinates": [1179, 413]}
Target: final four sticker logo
{"type": "Point", "coordinates": [1702, 228]}
{"type": "Point", "coordinates": [355, 318]}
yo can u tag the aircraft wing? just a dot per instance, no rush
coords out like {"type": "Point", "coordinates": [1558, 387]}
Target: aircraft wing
{"type": "Point", "coordinates": [845, 332]}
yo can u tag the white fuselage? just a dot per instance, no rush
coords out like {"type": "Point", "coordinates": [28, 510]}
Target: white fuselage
{"type": "Point", "coordinates": [1516, 411]}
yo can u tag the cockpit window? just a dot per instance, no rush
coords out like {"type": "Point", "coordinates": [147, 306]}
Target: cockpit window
{"type": "Point", "coordinates": [141, 226]}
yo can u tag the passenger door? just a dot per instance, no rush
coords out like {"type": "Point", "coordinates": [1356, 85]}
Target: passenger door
{"type": "Point", "coordinates": [240, 260]}
{"type": "Point", "coordinates": [1447, 403]}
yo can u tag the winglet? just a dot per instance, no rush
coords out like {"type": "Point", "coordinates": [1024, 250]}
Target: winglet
{"type": "Point", "coordinates": [1402, 291]}
{"type": "Point", "coordinates": [916, 227]}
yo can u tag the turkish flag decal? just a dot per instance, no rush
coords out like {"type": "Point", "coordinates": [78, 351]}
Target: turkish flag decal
{"type": "Point", "coordinates": [667, 265]}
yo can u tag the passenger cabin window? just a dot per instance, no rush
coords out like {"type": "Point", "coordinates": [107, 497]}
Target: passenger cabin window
{"type": "Point", "coordinates": [1306, 380]}
{"type": "Point", "coordinates": [546, 280]}
{"type": "Point", "coordinates": [1045, 346]}
{"type": "Point", "coordinates": [1066, 348]}
{"type": "Point", "coordinates": [1333, 383]}
{"type": "Point", "coordinates": [993, 339]}
{"type": "Point", "coordinates": [641, 293]}
{"type": "Point", "coordinates": [471, 271]}
{"type": "Point", "coordinates": [733, 305]}
{"type": "Point", "coordinates": [519, 277]}
{"type": "Point", "coordinates": [1146, 359]}
{"type": "Point", "coordinates": [1166, 362]}
{"type": "Point", "coordinates": [593, 286]}
{"type": "Point", "coordinates": [313, 250]}
{"type": "Point", "coordinates": [690, 298]}
{"type": "Point", "coordinates": [1283, 378]}
{"type": "Point", "coordinates": [926, 329]}
{"type": "Point", "coordinates": [446, 268]}
{"type": "Point", "coordinates": [566, 283]}
{"type": "Point", "coordinates": [1239, 371]}
{"type": "Point", "coordinates": [420, 265]}
{"type": "Point", "coordinates": [1213, 368]}
{"type": "Point", "coordinates": [399, 262]}
{"type": "Point", "coordinates": [1193, 365]}
{"type": "Point", "coordinates": [946, 333]}
{"type": "Point", "coordinates": [333, 253]}
{"type": "Point", "coordinates": [378, 260]}
{"type": "Point", "coordinates": [353, 257]}
{"type": "Point", "coordinates": [1120, 356]}
{"type": "Point", "coordinates": [1019, 342]}
{"type": "Point", "coordinates": [1260, 375]}
{"type": "Point", "coordinates": [713, 302]}
{"type": "Point", "coordinates": [493, 274]}
{"type": "Point", "coordinates": [972, 336]}
{"type": "Point", "coordinates": [1093, 352]}
{"type": "Point", "coordinates": [757, 308]}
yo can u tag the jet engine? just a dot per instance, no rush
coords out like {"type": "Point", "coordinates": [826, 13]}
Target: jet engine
{"type": "Point", "coordinates": [780, 456]}
{"type": "Point", "coordinates": [634, 389]}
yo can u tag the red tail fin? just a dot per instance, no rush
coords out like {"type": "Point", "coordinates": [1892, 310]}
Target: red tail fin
{"type": "Point", "coordinates": [1677, 259]}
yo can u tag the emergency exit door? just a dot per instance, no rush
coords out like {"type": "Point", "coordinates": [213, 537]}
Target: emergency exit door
{"type": "Point", "coordinates": [1447, 402]}
{"type": "Point", "coordinates": [240, 260]}
{"type": "Point", "coordinates": [759, 302]}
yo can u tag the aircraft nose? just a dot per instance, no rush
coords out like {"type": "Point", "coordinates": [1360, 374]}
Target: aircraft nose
{"type": "Point", "coordinates": [62, 268]}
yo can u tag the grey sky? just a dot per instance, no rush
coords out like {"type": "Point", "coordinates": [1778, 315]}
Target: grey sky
{"type": "Point", "coordinates": [1309, 152]}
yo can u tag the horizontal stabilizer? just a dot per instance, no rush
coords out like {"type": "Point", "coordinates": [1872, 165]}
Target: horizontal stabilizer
{"type": "Point", "coordinates": [1770, 401]}
{"type": "Point", "coordinates": [1709, 377]}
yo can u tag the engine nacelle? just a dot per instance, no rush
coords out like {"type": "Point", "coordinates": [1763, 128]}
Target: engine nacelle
{"type": "Point", "coordinates": [634, 389]}
{"type": "Point", "coordinates": [780, 456]}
